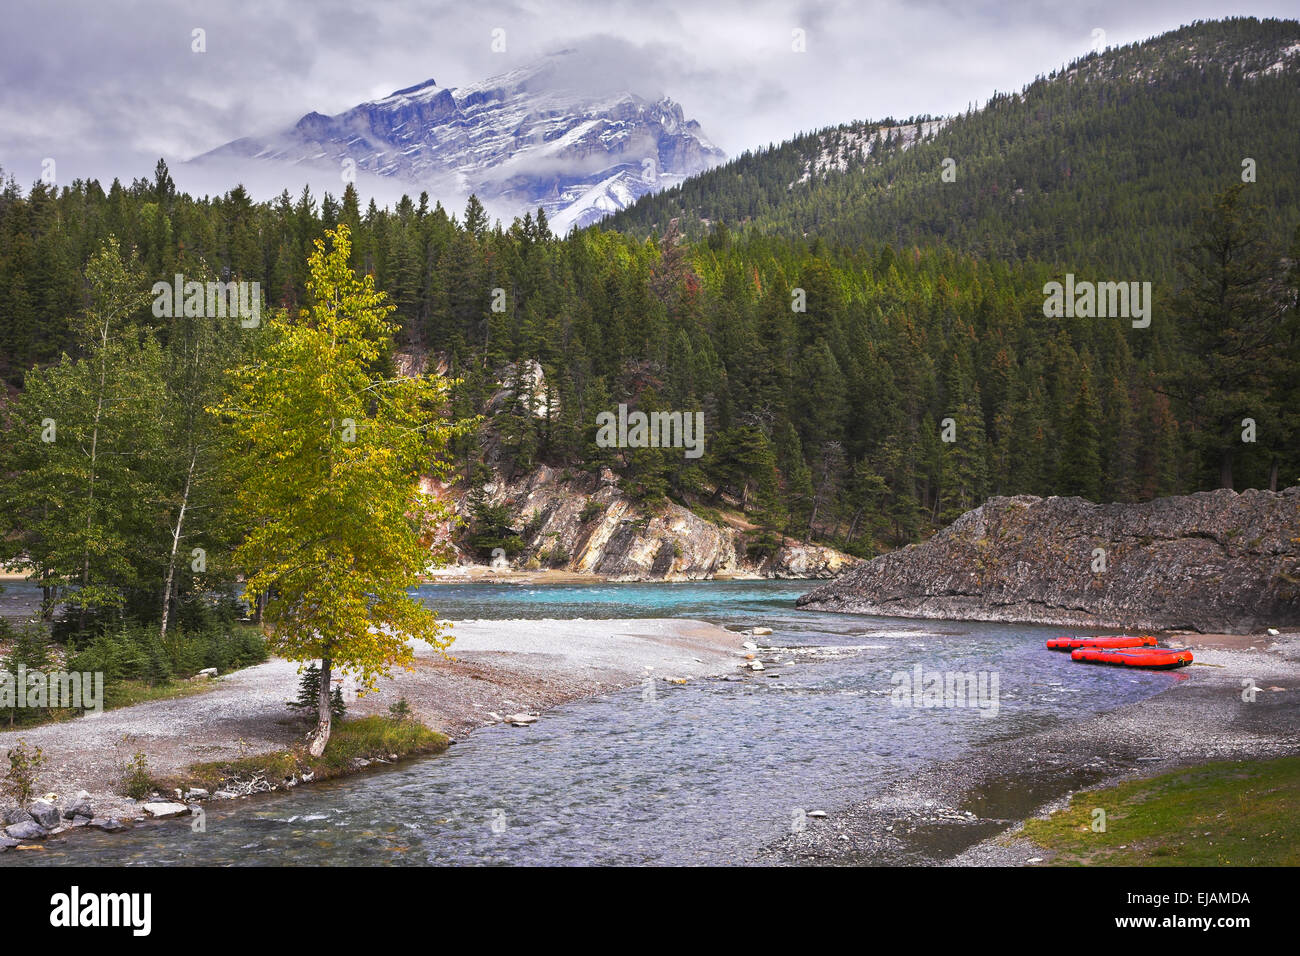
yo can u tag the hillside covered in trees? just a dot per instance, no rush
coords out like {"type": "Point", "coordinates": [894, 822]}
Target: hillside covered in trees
{"type": "Point", "coordinates": [1100, 165]}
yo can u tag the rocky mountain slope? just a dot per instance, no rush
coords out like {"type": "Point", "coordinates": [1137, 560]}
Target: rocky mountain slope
{"type": "Point", "coordinates": [1212, 562]}
{"type": "Point", "coordinates": [585, 524]}
{"type": "Point", "coordinates": [519, 140]}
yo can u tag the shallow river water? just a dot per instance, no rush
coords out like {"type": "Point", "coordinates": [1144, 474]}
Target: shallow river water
{"type": "Point", "coordinates": [703, 773]}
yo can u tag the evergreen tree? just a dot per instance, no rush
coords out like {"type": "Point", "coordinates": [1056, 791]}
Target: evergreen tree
{"type": "Point", "coordinates": [1232, 313]}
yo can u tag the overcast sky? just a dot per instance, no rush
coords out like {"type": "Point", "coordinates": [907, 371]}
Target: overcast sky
{"type": "Point", "coordinates": [104, 87]}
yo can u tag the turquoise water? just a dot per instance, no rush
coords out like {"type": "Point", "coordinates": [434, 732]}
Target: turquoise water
{"type": "Point", "coordinates": [707, 772]}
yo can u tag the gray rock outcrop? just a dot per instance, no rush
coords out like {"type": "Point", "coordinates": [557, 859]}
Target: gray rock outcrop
{"type": "Point", "coordinates": [1214, 562]}
{"type": "Point", "coordinates": [586, 524]}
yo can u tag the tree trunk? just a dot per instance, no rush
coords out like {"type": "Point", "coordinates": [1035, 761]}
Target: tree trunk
{"type": "Point", "coordinates": [176, 540]}
{"type": "Point", "coordinates": [321, 735]}
{"type": "Point", "coordinates": [1272, 475]}
{"type": "Point", "coordinates": [94, 460]}
{"type": "Point", "coordinates": [853, 527]}
{"type": "Point", "coordinates": [1225, 471]}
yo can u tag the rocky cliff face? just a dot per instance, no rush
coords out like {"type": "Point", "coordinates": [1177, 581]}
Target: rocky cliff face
{"type": "Point", "coordinates": [1211, 562]}
{"type": "Point", "coordinates": [586, 524]}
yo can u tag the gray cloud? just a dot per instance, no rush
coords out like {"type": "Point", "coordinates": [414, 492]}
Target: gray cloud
{"type": "Point", "coordinates": [107, 88]}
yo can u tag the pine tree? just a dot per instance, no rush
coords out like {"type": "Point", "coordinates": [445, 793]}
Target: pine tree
{"type": "Point", "coordinates": [309, 695]}
{"type": "Point", "coordinates": [1231, 316]}
{"type": "Point", "coordinates": [1080, 467]}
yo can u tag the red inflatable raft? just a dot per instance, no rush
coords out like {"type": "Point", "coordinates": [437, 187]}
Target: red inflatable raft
{"type": "Point", "coordinates": [1149, 657]}
{"type": "Point", "coordinates": [1126, 640]}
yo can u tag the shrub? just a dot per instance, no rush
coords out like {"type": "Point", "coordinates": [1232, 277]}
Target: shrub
{"type": "Point", "coordinates": [136, 779]}
{"type": "Point", "coordinates": [590, 510]}
{"type": "Point", "coordinates": [761, 546]}
{"type": "Point", "coordinates": [137, 652]}
{"type": "Point", "coordinates": [203, 612]}
{"type": "Point", "coordinates": [555, 556]}
{"type": "Point", "coordinates": [31, 650]}
{"type": "Point", "coordinates": [25, 766]}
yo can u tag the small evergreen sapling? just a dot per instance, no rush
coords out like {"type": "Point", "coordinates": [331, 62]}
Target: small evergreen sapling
{"type": "Point", "coordinates": [309, 693]}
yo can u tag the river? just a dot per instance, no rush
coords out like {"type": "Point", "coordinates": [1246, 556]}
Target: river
{"type": "Point", "coordinates": [703, 773]}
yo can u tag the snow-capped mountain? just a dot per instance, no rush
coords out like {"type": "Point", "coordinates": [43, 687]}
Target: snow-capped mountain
{"type": "Point", "coordinates": [519, 140]}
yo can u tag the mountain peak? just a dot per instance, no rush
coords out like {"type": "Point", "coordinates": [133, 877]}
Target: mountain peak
{"type": "Point", "coordinates": [413, 89]}
{"type": "Point", "coordinates": [537, 135]}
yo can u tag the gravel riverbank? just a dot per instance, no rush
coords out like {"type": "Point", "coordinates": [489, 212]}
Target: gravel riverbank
{"type": "Point", "coordinates": [965, 812]}
{"type": "Point", "coordinates": [495, 668]}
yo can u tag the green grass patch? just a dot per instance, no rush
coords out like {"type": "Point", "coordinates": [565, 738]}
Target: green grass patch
{"type": "Point", "coordinates": [127, 693]}
{"type": "Point", "coordinates": [1244, 813]}
{"type": "Point", "coordinates": [120, 693]}
{"type": "Point", "coordinates": [368, 738]}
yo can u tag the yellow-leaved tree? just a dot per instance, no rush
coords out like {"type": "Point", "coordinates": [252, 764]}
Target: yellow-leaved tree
{"type": "Point", "coordinates": [327, 452]}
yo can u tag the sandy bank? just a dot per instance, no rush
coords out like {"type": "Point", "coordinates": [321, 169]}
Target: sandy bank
{"type": "Point", "coordinates": [496, 666]}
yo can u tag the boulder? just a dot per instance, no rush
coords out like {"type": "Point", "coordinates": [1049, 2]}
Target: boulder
{"type": "Point", "coordinates": [165, 808]}
{"type": "Point", "coordinates": [17, 815]}
{"type": "Point", "coordinates": [26, 831]}
{"type": "Point", "coordinates": [45, 813]}
{"type": "Point", "coordinates": [107, 824]}
{"type": "Point", "coordinates": [806, 561]}
{"type": "Point", "coordinates": [79, 806]}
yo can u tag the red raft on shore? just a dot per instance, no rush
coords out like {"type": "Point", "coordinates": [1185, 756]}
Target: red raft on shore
{"type": "Point", "coordinates": [1160, 658]}
{"type": "Point", "coordinates": [1113, 643]}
